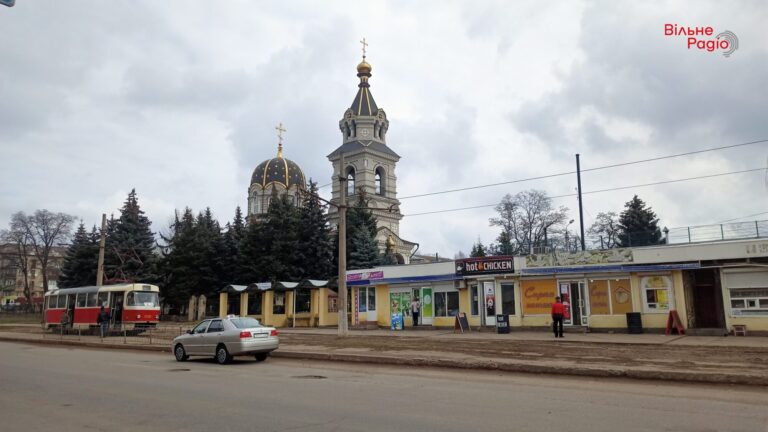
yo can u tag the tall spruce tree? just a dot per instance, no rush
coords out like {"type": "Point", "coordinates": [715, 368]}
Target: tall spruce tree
{"type": "Point", "coordinates": [362, 249]}
{"type": "Point", "coordinates": [130, 253]}
{"type": "Point", "coordinates": [80, 263]}
{"type": "Point", "coordinates": [638, 225]}
{"type": "Point", "coordinates": [179, 262]}
{"type": "Point", "coordinates": [478, 250]}
{"type": "Point", "coordinates": [268, 249]}
{"type": "Point", "coordinates": [211, 254]}
{"type": "Point", "coordinates": [233, 236]}
{"type": "Point", "coordinates": [315, 247]}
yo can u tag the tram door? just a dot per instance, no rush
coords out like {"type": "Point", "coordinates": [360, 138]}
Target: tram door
{"type": "Point", "coordinates": [116, 307]}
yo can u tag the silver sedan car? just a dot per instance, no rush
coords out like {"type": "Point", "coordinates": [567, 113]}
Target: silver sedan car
{"type": "Point", "coordinates": [223, 338]}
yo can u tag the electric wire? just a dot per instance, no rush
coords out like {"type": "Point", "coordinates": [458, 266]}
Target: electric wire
{"type": "Point", "coordinates": [583, 170]}
{"type": "Point", "coordinates": [600, 191]}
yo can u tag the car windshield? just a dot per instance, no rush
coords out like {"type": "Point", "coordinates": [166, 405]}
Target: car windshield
{"type": "Point", "coordinates": [242, 323]}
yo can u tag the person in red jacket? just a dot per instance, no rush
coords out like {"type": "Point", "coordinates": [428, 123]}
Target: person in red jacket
{"type": "Point", "coordinates": [558, 310]}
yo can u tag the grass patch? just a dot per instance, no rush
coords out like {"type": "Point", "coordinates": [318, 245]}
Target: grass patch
{"type": "Point", "coordinates": [20, 318]}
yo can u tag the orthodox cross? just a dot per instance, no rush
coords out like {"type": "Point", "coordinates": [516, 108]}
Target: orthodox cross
{"type": "Point", "coordinates": [365, 44]}
{"type": "Point", "coordinates": [280, 131]}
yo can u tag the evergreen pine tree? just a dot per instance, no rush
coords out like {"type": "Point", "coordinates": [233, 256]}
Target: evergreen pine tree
{"type": "Point", "coordinates": [315, 247]}
{"type": "Point", "coordinates": [638, 225]}
{"type": "Point", "coordinates": [503, 244]}
{"type": "Point", "coordinates": [130, 254]}
{"type": "Point", "coordinates": [233, 236]}
{"type": "Point", "coordinates": [268, 250]}
{"type": "Point", "coordinates": [478, 249]}
{"type": "Point", "coordinates": [80, 263]}
{"type": "Point", "coordinates": [179, 262]}
{"type": "Point", "coordinates": [362, 249]}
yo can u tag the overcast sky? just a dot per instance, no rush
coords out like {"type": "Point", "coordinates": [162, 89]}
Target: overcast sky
{"type": "Point", "coordinates": [179, 99]}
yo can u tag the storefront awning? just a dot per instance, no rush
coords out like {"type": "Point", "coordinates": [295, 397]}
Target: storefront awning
{"type": "Point", "coordinates": [404, 280]}
{"type": "Point", "coordinates": [609, 269]}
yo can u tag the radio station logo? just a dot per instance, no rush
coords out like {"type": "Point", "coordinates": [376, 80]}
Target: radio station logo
{"type": "Point", "coordinates": [704, 38]}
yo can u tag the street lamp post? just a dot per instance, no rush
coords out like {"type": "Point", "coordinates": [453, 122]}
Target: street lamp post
{"type": "Point", "coordinates": [567, 242]}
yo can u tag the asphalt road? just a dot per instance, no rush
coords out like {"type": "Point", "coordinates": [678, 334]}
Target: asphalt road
{"type": "Point", "coordinates": [73, 389]}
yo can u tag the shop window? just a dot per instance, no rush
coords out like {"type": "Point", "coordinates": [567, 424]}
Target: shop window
{"type": "Point", "coordinates": [278, 303]}
{"type": "Point", "coordinates": [598, 297]}
{"type": "Point", "coordinates": [621, 296]}
{"type": "Point", "coordinates": [371, 298]}
{"type": "Point", "coordinates": [474, 299]}
{"type": "Point", "coordinates": [446, 304]}
{"type": "Point", "coordinates": [538, 296]}
{"type": "Point", "coordinates": [657, 293]}
{"type": "Point", "coordinates": [507, 298]}
{"type": "Point", "coordinates": [749, 301]}
{"type": "Point", "coordinates": [254, 303]}
{"type": "Point", "coordinates": [303, 300]}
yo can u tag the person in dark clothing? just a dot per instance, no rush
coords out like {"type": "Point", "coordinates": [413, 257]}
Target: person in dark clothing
{"type": "Point", "coordinates": [103, 320]}
{"type": "Point", "coordinates": [558, 310]}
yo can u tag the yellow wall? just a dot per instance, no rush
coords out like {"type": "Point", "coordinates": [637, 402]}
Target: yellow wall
{"type": "Point", "coordinates": [383, 315]}
{"type": "Point", "coordinates": [244, 304]}
{"type": "Point", "coordinates": [326, 318]}
{"type": "Point", "coordinates": [223, 299]}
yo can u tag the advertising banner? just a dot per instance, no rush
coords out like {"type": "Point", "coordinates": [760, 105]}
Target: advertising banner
{"type": "Point", "coordinates": [426, 302]}
{"type": "Point", "coordinates": [485, 265]}
{"type": "Point", "coordinates": [538, 296]}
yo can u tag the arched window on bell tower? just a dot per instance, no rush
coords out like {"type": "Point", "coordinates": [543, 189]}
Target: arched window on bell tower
{"type": "Point", "coordinates": [350, 181]}
{"type": "Point", "coordinates": [379, 181]}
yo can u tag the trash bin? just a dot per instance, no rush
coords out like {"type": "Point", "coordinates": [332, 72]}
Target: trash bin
{"type": "Point", "coordinates": [502, 323]}
{"type": "Point", "coordinates": [634, 323]}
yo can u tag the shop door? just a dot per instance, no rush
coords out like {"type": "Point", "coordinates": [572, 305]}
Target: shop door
{"type": "Point", "coordinates": [366, 304]}
{"type": "Point", "coordinates": [427, 305]}
{"type": "Point", "coordinates": [572, 296]}
{"type": "Point", "coordinates": [707, 299]}
{"type": "Point", "coordinates": [489, 303]}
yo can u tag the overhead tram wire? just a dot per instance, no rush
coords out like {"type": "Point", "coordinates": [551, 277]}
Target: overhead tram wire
{"type": "Point", "coordinates": [743, 217]}
{"type": "Point", "coordinates": [584, 170]}
{"type": "Point", "coordinates": [601, 191]}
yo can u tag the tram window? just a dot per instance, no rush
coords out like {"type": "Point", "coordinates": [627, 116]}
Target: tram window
{"type": "Point", "coordinates": [104, 299]}
{"type": "Point", "coordinates": [52, 302]}
{"type": "Point", "coordinates": [140, 298]}
{"type": "Point", "coordinates": [80, 300]}
{"type": "Point", "coordinates": [92, 300]}
{"type": "Point", "coordinates": [61, 303]}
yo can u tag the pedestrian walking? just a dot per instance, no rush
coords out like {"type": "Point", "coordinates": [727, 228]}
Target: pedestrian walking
{"type": "Point", "coordinates": [103, 321]}
{"type": "Point", "coordinates": [558, 310]}
{"type": "Point", "coordinates": [415, 309]}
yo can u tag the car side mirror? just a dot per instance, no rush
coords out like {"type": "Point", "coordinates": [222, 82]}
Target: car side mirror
{"type": "Point", "coordinates": [189, 331]}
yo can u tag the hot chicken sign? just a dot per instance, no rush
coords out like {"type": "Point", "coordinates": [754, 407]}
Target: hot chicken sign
{"type": "Point", "coordinates": [485, 265]}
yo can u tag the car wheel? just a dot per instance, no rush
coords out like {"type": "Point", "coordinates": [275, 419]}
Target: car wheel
{"type": "Point", "coordinates": [180, 353]}
{"type": "Point", "coordinates": [222, 355]}
{"type": "Point", "coordinates": [261, 356]}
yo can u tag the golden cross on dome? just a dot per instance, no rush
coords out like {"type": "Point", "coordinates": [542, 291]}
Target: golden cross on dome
{"type": "Point", "coordinates": [280, 129]}
{"type": "Point", "coordinates": [365, 44]}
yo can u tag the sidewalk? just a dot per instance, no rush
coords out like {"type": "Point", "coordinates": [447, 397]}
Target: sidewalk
{"type": "Point", "coordinates": [731, 360]}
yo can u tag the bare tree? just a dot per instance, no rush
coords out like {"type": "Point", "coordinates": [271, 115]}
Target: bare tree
{"type": "Point", "coordinates": [606, 230]}
{"type": "Point", "coordinates": [18, 238]}
{"type": "Point", "coordinates": [44, 230]}
{"type": "Point", "coordinates": [527, 218]}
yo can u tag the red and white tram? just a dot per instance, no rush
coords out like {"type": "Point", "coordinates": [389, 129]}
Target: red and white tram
{"type": "Point", "coordinates": [129, 305]}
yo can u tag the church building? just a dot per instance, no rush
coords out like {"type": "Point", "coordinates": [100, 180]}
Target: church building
{"type": "Point", "coordinates": [369, 167]}
{"type": "Point", "coordinates": [274, 177]}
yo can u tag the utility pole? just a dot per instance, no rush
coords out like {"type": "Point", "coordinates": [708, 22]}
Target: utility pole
{"type": "Point", "coordinates": [102, 243]}
{"type": "Point", "coordinates": [342, 283]}
{"type": "Point", "coordinates": [581, 212]}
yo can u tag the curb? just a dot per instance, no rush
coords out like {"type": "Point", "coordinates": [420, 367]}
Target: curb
{"type": "Point", "coordinates": [527, 368]}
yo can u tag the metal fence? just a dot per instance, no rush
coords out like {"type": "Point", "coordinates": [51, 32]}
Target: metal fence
{"type": "Point", "coordinates": [126, 335]}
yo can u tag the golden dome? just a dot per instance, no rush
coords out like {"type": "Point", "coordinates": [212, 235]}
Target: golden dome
{"type": "Point", "coordinates": [364, 67]}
